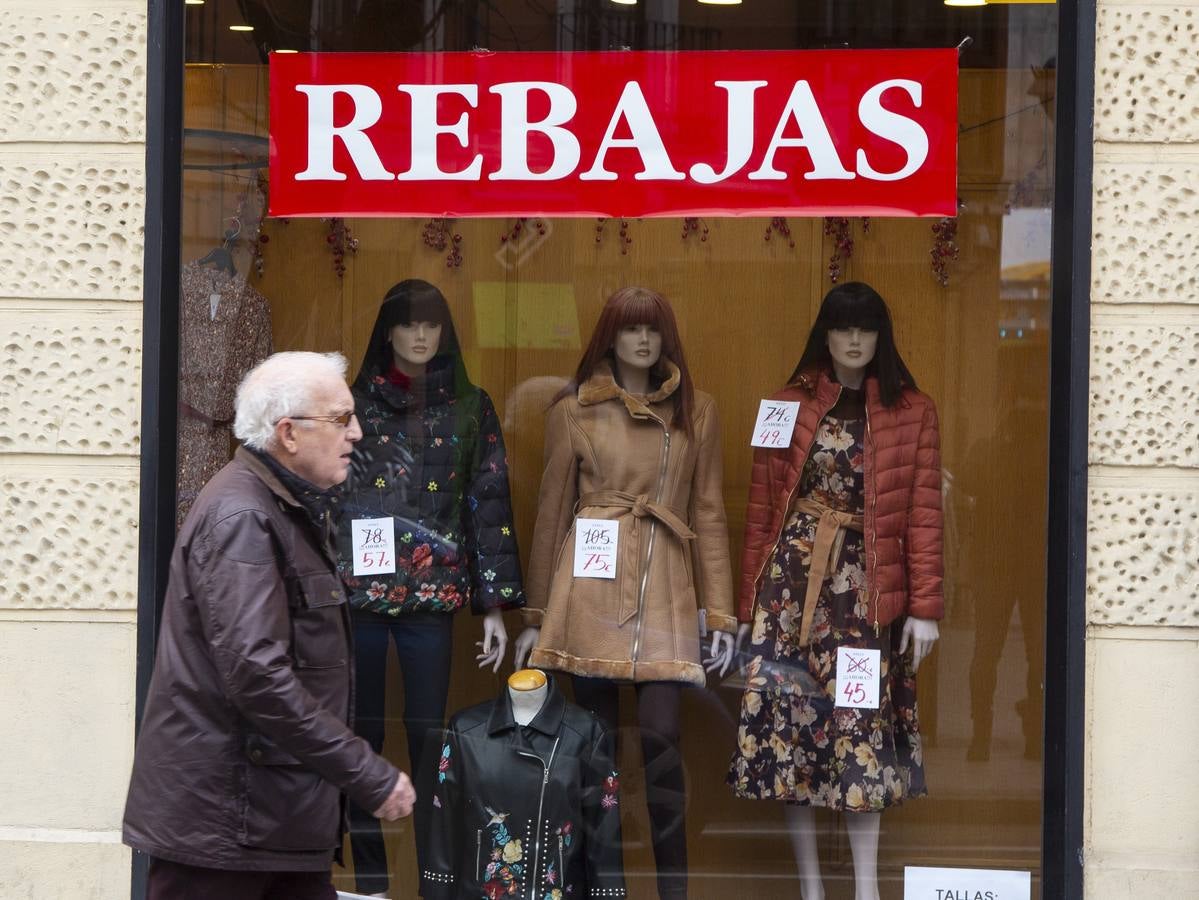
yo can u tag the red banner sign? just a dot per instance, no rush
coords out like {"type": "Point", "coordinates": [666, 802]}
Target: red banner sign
{"type": "Point", "coordinates": [813, 133]}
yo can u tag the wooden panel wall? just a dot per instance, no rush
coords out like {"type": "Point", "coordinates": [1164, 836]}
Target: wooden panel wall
{"type": "Point", "coordinates": [524, 310]}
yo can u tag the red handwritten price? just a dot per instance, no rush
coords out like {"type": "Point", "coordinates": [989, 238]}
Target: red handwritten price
{"type": "Point", "coordinates": [377, 560]}
{"type": "Point", "coordinates": [596, 542]}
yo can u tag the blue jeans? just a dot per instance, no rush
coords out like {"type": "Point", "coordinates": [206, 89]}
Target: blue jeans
{"type": "Point", "coordinates": [423, 644]}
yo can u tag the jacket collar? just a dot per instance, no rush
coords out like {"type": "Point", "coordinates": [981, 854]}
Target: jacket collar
{"type": "Point", "coordinates": [548, 720]}
{"type": "Point", "coordinates": [264, 474]}
{"type": "Point", "coordinates": [602, 386]}
{"type": "Point", "coordinates": [825, 389]}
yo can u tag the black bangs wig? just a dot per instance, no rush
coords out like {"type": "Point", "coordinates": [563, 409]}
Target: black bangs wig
{"type": "Point", "coordinates": [856, 304]}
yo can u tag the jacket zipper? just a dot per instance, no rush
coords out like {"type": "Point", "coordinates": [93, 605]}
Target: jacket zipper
{"type": "Point", "coordinates": [794, 488]}
{"type": "Point", "coordinates": [649, 549]}
{"type": "Point", "coordinates": [561, 865]}
{"type": "Point", "coordinates": [479, 855]}
{"type": "Point", "coordinates": [872, 581]}
{"type": "Point", "coordinates": [540, 805]}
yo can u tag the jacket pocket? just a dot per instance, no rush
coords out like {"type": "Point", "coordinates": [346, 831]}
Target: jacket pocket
{"type": "Point", "coordinates": [319, 639]}
{"type": "Point", "coordinates": [286, 806]}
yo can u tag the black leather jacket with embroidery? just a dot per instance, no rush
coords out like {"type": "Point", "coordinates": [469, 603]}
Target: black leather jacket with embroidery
{"type": "Point", "coordinates": [528, 813]}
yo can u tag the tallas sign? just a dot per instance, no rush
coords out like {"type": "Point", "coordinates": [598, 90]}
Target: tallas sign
{"type": "Point", "coordinates": [814, 133]}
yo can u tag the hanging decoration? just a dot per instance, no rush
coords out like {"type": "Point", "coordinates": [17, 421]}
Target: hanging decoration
{"type": "Point", "coordinates": [624, 236]}
{"type": "Point", "coordinates": [779, 225]}
{"type": "Point", "coordinates": [945, 248]}
{"type": "Point", "coordinates": [697, 226]}
{"type": "Point", "coordinates": [523, 225]}
{"type": "Point", "coordinates": [438, 236]}
{"type": "Point", "coordinates": [341, 240]}
{"type": "Point", "coordinates": [837, 228]}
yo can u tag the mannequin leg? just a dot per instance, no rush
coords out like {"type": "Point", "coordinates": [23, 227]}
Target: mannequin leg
{"type": "Point", "coordinates": [658, 706]}
{"type": "Point", "coordinates": [370, 668]}
{"type": "Point", "coordinates": [863, 842]}
{"type": "Point", "coordinates": [801, 822]}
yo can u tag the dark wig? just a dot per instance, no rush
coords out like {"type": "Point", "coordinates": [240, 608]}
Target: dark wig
{"type": "Point", "coordinates": [412, 300]}
{"type": "Point", "coordinates": [856, 304]}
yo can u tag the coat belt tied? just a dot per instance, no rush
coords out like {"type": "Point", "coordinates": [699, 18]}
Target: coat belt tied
{"type": "Point", "coordinates": [830, 535]}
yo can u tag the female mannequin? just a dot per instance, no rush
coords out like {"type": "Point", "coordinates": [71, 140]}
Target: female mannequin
{"type": "Point", "coordinates": [842, 549]}
{"type": "Point", "coordinates": [631, 441]}
{"type": "Point", "coordinates": [431, 461]}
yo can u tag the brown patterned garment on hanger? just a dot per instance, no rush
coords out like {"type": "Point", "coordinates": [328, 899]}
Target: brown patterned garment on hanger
{"type": "Point", "coordinates": [217, 346]}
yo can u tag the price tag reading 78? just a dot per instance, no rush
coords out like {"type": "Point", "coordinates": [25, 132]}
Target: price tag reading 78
{"type": "Point", "coordinates": [596, 541]}
{"type": "Point", "coordinates": [775, 424]}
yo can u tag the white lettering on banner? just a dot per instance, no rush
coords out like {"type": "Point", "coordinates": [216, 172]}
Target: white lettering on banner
{"type": "Point", "coordinates": [741, 131]}
{"type": "Point", "coordinates": [645, 140]}
{"type": "Point", "coordinates": [426, 128]}
{"type": "Point", "coordinates": [775, 424]}
{"type": "Point", "coordinates": [515, 128]}
{"type": "Point", "coordinates": [800, 111]}
{"type": "Point", "coordinates": [596, 542]}
{"type": "Point", "coordinates": [893, 127]}
{"type": "Point", "coordinates": [857, 678]}
{"type": "Point", "coordinates": [929, 883]}
{"type": "Point", "coordinates": [814, 137]}
{"type": "Point", "coordinates": [373, 543]}
{"type": "Point", "coordinates": [368, 109]}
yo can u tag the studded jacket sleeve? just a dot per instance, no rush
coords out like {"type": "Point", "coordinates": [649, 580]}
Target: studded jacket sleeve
{"type": "Point", "coordinates": [491, 535]}
{"type": "Point", "coordinates": [438, 877]}
{"type": "Point", "coordinates": [601, 816]}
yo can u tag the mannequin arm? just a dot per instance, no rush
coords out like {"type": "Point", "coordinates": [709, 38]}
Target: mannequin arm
{"type": "Point", "coordinates": [921, 634]}
{"type": "Point", "coordinates": [525, 642]}
{"type": "Point", "coordinates": [721, 654]}
{"type": "Point", "coordinates": [743, 631]}
{"type": "Point", "coordinates": [495, 641]}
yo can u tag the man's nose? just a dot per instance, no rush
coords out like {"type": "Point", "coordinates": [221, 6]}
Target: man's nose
{"type": "Point", "coordinates": [354, 432]}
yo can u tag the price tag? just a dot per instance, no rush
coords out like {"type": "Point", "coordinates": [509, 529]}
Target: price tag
{"type": "Point", "coordinates": [857, 678]}
{"type": "Point", "coordinates": [374, 546]}
{"type": "Point", "coordinates": [596, 541]}
{"type": "Point", "coordinates": [776, 421]}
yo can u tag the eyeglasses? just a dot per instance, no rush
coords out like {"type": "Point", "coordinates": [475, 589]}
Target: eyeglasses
{"type": "Point", "coordinates": [343, 420]}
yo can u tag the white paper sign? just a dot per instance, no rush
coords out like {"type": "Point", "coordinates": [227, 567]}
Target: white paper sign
{"type": "Point", "coordinates": [596, 541]}
{"type": "Point", "coordinates": [776, 421]}
{"type": "Point", "coordinates": [857, 678]}
{"type": "Point", "coordinates": [374, 546]}
{"type": "Point", "coordinates": [926, 883]}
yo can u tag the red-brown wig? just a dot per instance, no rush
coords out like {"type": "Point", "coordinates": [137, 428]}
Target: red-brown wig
{"type": "Point", "coordinates": [638, 306]}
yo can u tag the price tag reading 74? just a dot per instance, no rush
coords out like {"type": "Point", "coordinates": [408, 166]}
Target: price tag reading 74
{"type": "Point", "coordinates": [775, 424]}
{"type": "Point", "coordinates": [596, 541]}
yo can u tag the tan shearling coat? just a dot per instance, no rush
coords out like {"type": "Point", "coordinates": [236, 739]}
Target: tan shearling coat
{"type": "Point", "coordinates": [613, 455]}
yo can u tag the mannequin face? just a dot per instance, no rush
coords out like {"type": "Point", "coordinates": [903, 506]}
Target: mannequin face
{"type": "Point", "coordinates": [852, 349]}
{"type": "Point", "coordinates": [638, 346]}
{"type": "Point", "coordinates": [415, 343]}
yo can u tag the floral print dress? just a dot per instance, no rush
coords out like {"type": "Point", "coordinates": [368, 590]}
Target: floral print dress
{"type": "Point", "coordinates": [794, 744]}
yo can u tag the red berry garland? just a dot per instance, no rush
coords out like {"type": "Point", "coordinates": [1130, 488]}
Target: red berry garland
{"type": "Point", "coordinates": [522, 226]}
{"type": "Point", "coordinates": [695, 225]}
{"type": "Point", "coordinates": [437, 236]}
{"type": "Point", "coordinates": [837, 227]}
{"type": "Point", "coordinates": [625, 237]}
{"type": "Point", "coordinates": [340, 240]}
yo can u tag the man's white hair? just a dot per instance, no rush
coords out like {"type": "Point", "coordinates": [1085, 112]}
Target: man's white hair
{"type": "Point", "coordinates": [281, 385]}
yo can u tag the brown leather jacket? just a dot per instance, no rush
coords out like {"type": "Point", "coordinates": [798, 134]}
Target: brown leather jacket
{"type": "Point", "coordinates": [903, 521]}
{"type": "Point", "coordinates": [244, 747]}
{"type": "Point", "coordinates": [612, 455]}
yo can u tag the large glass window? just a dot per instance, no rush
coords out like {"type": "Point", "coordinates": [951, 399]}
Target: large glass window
{"type": "Point", "coordinates": [969, 298]}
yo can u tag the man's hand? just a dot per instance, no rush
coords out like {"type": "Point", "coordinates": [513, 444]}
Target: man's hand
{"type": "Point", "coordinates": [401, 801]}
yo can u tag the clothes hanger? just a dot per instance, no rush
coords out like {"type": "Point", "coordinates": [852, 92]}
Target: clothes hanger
{"type": "Point", "coordinates": [220, 257]}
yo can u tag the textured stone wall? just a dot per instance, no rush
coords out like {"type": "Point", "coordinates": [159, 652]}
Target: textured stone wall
{"type": "Point", "coordinates": [72, 193]}
{"type": "Point", "coordinates": [1143, 517]}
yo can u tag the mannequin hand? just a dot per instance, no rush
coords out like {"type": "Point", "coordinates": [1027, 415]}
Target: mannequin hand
{"type": "Point", "coordinates": [495, 641]}
{"type": "Point", "coordinates": [722, 653]}
{"type": "Point", "coordinates": [525, 642]}
{"type": "Point", "coordinates": [742, 635]}
{"type": "Point", "coordinates": [921, 634]}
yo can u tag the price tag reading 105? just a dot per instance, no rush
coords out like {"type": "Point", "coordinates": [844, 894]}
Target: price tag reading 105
{"type": "Point", "coordinates": [596, 541]}
{"type": "Point", "coordinates": [776, 422]}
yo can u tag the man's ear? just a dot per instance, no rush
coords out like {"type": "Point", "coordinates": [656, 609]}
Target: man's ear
{"type": "Point", "coordinates": [285, 435]}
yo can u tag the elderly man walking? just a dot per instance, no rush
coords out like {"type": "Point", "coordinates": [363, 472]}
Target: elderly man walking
{"type": "Point", "coordinates": [246, 748]}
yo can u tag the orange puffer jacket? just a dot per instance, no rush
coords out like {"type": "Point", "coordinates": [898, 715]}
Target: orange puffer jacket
{"type": "Point", "coordinates": [903, 521]}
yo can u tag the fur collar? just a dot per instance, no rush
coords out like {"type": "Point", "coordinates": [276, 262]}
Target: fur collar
{"type": "Point", "coordinates": [602, 386]}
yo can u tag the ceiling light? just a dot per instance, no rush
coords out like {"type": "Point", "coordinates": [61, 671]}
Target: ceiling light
{"type": "Point", "coordinates": [287, 51]}
{"type": "Point", "coordinates": [193, 2]}
{"type": "Point", "coordinates": [721, 2]}
{"type": "Point", "coordinates": [241, 27]}
{"type": "Point", "coordinates": [965, 2]}
{"type": "Point", "coordinates": [626, 2]}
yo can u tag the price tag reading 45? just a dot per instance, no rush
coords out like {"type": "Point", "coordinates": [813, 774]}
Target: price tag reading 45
{"type": "Point", "coordinates": [776, 421]}
{"type": "Point", "coordinates": [374, 546]}
{"type": "Point", "coordinates": [596, 541]}
{"type": "Point", "coordinates": [857, 678]}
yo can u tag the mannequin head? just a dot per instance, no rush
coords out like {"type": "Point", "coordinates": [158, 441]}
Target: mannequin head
{"type": "Point", "coordinates": [416, 326]}
{"type": "Point", "coordinates": [852, 317]}
{"type": "Point", "coordinates": [637, 330]}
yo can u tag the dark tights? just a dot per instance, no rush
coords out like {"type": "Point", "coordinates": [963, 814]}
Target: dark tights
{"type": "Point", "coordinates": [658, 705]}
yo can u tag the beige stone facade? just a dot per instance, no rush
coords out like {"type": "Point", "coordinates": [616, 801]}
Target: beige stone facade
{"type": "Point", "coordinates": [1142, 816]}
{"type": "Point", "coordinates": [72, 131]}
{"type": "Point", "coordinates": [72, 186]}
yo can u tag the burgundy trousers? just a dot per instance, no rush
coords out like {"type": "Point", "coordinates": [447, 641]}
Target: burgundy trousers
{"type": "Point", "coordinates": [175, 881]}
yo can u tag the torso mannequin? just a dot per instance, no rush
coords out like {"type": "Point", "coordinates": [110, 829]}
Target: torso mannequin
{"type": "Point", "coordinates": [528, 690]}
